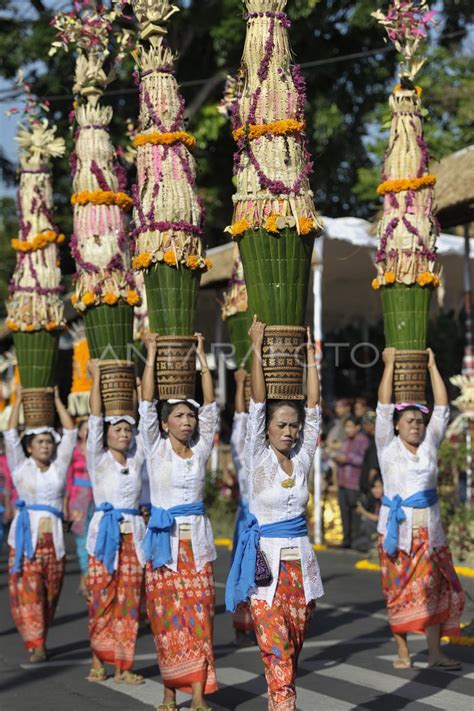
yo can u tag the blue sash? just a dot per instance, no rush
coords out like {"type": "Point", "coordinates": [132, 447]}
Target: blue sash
{"type": "Point", "coordinates": [23, 543]}
{"type": "Point", "coordinates": [241, 578]}
{"type": "Point", "coordinates": [86, 483]}
{"type": "Point", "coordinates": [242, 513]}
{"type": "Point", "coordinates": [157, 541]}
{"type": "Point", "coordinates": [108, 538]}
{"type": "Point", "coordinates": [420, 500]}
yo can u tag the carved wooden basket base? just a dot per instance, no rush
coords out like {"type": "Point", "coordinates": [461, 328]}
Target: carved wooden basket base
{"type": "Point", "coordinates": [409, 379]}
{"type": "Point", "coordinates": [176, 367]}
{"type": "Point", "coordinates": [38, 407]}
{"type": "Point", "coordinates": [284, 362]}
{"type": "Point", "coordinates": [117, 387]}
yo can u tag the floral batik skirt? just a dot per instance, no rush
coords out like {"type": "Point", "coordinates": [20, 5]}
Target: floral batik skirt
{"type": "Point", "coordinates": [421, 589]}
{"type": "Point", "coordinates": [34, 593]}
{"type": "Point", "coordinates": [280, 630]}
{"type": "Point", "coordinates": [114, 606]}
{"type": "Point", "coordinates": [180, 609]}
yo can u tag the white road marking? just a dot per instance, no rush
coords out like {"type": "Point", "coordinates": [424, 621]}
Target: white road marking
{"type": "Point", "coordinates": [420, 663]}
{"type": "Point", "coordinates": [357, 641]}
{"type": "Point", "coordinates": [390, 684]}
{"type": "Point", "coordinates": [305, 698]}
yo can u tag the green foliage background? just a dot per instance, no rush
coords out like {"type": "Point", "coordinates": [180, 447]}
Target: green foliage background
{"type": "Point", "coordinates": [346, 106]}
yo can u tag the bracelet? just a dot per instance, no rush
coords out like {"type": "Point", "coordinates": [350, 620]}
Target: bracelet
{"type": "Point", "coordinates": [203, 372]}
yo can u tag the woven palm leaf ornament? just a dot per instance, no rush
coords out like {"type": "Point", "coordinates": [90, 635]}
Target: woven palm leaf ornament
{"type": "Point", "coordinates": [34, 307]}
{"type": "Point", "coordinates": [168, 213]}
{"type": "Point", "coordinates": [274, 218]}
{"type": "Point", "coordinates": [78, 399]}
{"type": "Point", "coordinates": [105, 292]}
{"type": "Point", "coordinates": [406, 262]}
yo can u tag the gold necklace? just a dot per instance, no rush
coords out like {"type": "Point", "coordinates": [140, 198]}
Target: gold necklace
{"type": "Point", "coordinates": [287, 483]}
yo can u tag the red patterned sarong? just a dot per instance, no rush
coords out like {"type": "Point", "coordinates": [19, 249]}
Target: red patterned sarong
{"type": "Point", "coordinates": [280, 631]}
{"type": "Point", "coordinates": [242, 619]}
{"type": "Point", "coordinates": [181, 613]}
{"type": "Point", "coordinates": [421, 589]}
{"type": "Point", "coordinates": [114, 606]}
{"type": "Point", "coordinates": [34, 593]}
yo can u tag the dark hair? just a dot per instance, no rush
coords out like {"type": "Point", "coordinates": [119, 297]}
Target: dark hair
{"type": "Point", "coordinates": [357, 421]}
{"type": "Point", "coordinates": [28, 439]}
{"type": "Point", "coordinates": [165, 409]}
{"type": "Point", "coordinates": [398, 413]}
{"type": "Point", "coordinates": [376, 480]}
{"type": "Point", "coordinates": [273, 405]}
{"type": "Point", "coordinates": [107, 426]}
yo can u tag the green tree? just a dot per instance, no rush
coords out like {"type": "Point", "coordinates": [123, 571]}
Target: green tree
{"type": "Point", "coordinates": [348, 80]}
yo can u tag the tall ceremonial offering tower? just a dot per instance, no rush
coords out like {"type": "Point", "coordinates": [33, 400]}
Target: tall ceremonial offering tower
{"type": "Point", "coordinates": [406, 262]}
{"type": "Point", "coordinates": [274, 220]}
{"type": "Point", "coordinates": [35, 309]}
{"type": "Point", "coordinates": [105, 291]}
{"type": "Point", "coordinates": [168, 213]}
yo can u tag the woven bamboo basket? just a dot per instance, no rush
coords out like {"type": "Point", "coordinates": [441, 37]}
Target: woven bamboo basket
{"type": "Point", "coordinates": [117, 387]}
{"type": "Point", "coordinates": [38, 407]}
{"type": "Point", "coordinates": [284, 362]}
{"type": "Point", "coordinates": [176, 367]}
{"type": "Point", "coordinates": [409, 379]}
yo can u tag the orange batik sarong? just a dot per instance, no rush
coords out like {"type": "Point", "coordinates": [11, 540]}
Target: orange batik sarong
{"type": "Point", "coordinates": [114, 606]}
{"type": "Point", "coordinates": [180, 609]}
{"type": "Point", "coordinates": [34, 593]}
{"type": "Point", "coordinates": [280, 631]}
{"type": "Point", "coordinates": [421, 589]}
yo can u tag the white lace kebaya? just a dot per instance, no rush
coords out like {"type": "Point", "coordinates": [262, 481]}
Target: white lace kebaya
{"type": "Point", "coordinates": [269, 501]}
{"type": "Point", "coordinates": [237, 445]}
{"type": "Point", "coordinates": [174, 480]}
{"type": "Point", "coordinates": [40, 487]}
{"type": "Point", "coordinates": [405, 473]}
{"type": "Point", "coordinates": [117, 484]}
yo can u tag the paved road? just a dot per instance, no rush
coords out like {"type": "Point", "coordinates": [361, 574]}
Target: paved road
{"type": "Point", "coordinates": [345, 664]}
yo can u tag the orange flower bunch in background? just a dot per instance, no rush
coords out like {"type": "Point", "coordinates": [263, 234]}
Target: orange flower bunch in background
{"type": "Point", "coordinates": [102, 197]}
{"type": "Point", "coordinates": [40, 241]}
{"type": "Point", "coordinates": [88, 298]}
{"type": "Point", "coordinates": [270, 224]}
{"type": "Point", "coordinates": [165, 139]}
{"type": "Point", "coordinates": [238, 228]}
{"type": "Point", "coordinates": [142, 261]}
{"type": "Point", "coordinates": [133, 298]}
{"type": "Point", "coordinates": [253, 131]}
{"type": "Point", "coordinates": [169, 258]}
{"type": "Point", "coordinates": [110, 298]}
{"type": "Point", "coordinates": [398, 87]}
{"type": "Point", "coordinates": [428, 279]}
{"type": "Point", "coordinates": [306, 225]}
{"type": "Point", "coordinates": [396, 186]}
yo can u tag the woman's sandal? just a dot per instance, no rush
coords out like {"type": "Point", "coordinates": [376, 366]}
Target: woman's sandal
{"type": "Point", "coordinates": [38, 657]}
{"type": "Point", "coordinates": [97, 674]}
{"type": "Point", "coordinates": [169, 705]}
{"type": "Point", "coordinates": [128, 677]}
{"type": "Point", "coordinates": [447, 664]}
{"type": "Point", "coordinates": [402, 663]}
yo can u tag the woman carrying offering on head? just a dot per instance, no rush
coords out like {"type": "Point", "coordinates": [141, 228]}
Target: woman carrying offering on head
{"type": "Point", "coordinates": [242, 620]}
{"type": "Point", "coordinates": [36, 539]}
{"type": "Point", "coordinates": [179, 545]}
{"type": "Point", "coordinates": [274, 565]}
{"type": "Point", "coordinates": [421, 589]}
{"type": "Point", "coordinates": [116, 531]}
{"type": "Point", "coordinates": [80, 501]}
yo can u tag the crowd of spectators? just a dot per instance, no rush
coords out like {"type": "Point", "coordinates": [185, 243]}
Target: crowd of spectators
{"type": "Point", "coordinates": [351, 467]}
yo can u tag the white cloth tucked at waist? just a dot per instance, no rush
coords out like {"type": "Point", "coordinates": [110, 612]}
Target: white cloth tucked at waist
{"type": "Point", "coordinates": [290, 554]}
